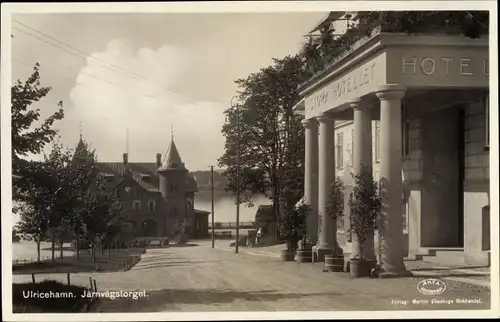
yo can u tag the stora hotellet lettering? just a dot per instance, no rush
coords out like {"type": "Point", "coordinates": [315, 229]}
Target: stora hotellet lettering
{"type": "Point", "coordinates": [450, 65]}
{"type": "Point", "coordinates": [357, 79]}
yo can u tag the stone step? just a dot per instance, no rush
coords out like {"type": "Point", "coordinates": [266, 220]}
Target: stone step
{"type": "Point", "coordinates": [445, 256]}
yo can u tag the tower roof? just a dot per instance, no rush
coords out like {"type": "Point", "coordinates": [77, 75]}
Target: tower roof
{"type": "Point", "coordinates": [81, 145]}
{"type": "Point", "coordinates": [173, 160]}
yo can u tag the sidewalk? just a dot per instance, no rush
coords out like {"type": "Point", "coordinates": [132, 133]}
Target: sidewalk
{"type": "Point", "coordinates": [477, 276]}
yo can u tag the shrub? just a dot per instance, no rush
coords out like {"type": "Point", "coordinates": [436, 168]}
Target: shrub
{"type": "Point", "coordinates": [366, 206]}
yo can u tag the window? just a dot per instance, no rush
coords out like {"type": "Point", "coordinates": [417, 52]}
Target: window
{"type": "Point", "coordinates": [152, 205]}
{"type": "Point", "coordinates": [487, 121]}
{"type": "Point", "coordinates": [340, 150]}
{"type": "Point", "coordinates": [405, 132]}
{"type": "Point", "coordinates": [136, 205]}
{"type": "Point", "coordinates": [352, 147]}
{"type": "Point", "coordinates": [377, 141]}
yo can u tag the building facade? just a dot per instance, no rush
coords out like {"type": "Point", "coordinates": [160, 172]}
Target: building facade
{"type": "Point", "coordinates": [414, 110]}
{"type": "Point", "coordinates": [157, 197]}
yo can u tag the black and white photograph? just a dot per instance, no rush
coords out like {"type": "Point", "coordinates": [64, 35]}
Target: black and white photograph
{"type": "Point", "coordinates": [237, 160]}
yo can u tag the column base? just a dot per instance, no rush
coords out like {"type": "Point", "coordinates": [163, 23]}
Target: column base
{"type": "Point", "coordinates": [405, 273]}
{"type": "Point", "coordinates": [319, 253]}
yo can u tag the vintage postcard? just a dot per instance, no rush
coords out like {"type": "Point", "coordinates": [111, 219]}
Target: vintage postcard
{"type": "Point", "coordinates": [249, 160]}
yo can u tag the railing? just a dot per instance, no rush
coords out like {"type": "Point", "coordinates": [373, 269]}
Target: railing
{"type": "Point", "coordinates": [231, 225]}
{"type": "Point", "coordinates": [25, 261]}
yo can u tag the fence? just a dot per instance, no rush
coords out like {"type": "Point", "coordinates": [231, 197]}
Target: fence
{"type": "Point", "coordinates": [25, 261]}
{"type": "Point", "coordinates": [92, 287]}
{"type": "Point", "coordinates": [232, 225]}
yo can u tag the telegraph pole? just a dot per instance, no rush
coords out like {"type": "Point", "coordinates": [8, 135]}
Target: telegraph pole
{"type": "Point", "coordinates": [212, 193]}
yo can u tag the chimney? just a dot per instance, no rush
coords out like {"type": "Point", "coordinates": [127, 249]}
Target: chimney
{"type": "Point", "coordinates": [125, 158]}
{"type": "Point", "coordinates": [158, 159]}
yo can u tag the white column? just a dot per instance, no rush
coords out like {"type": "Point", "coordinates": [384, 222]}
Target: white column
{"type": "Point", "coordinates": [391, 232]}
{"type": "Point", "coordinates": [311, 177]}
{"type": "Point", "coordinates": [362, 157]}
{"type": "Point", "coordinates": [327, 242]}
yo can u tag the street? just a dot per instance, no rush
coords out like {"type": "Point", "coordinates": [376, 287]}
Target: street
{"type": "Point", "coordinates": [199, 278]}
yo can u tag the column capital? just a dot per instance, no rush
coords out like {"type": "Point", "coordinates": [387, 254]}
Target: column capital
{"type": "Point", "coordinates": [391, 91]}
{"type": "Point", "coordinates": [309, 123]}
{"type": "Point", "coordinates": [324, 118]}
{"type": "Point", "coordinates": [358, 104]}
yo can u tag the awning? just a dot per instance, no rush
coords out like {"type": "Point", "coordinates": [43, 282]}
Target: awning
{"type": "Point", "coordinates": [332, 16]}
{"type": "Point", "coordinates": [300, 107]}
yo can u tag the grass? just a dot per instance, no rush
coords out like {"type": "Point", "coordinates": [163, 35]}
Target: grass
{"type": "Point", "coordinates": [57, 297]}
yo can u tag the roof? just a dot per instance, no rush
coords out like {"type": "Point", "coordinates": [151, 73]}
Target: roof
{"type": "Point", "coordinates": [144, 173]}
{"type": "Point", "coordinates": [173, 160]}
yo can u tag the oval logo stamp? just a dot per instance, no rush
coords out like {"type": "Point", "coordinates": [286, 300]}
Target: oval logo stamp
{"type": "Point", "coordinates": [431, 286]}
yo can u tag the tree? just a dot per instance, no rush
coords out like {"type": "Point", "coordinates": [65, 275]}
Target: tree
{"type": "Point", "coordinates": [43, 190]}
{"type": "Point", "coordinates": [268, 130]}
{"type": "Point", "coordinates": [365, 207]}
{"type": "Point", "coordinates": [27, 138]}
{"type": "Point", "coordinates": [83, 172]}
{"type": "Point", "coordinates": [32, 225]}
{"type": "Point", "coordinates": [100, 210]}
{"type": "Point", "coordinates": [335, 203]}
{"type": "Point", "coordinates": [182, 236]}
{"type": "Point", "coordinates": [292, 224]}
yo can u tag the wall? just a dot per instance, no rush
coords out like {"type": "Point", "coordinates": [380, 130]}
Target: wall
{"type": "Point", "coordinates": [476, 195]}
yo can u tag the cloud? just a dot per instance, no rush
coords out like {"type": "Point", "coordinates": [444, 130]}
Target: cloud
{"type": "Point", "coordinates": [138, 91]}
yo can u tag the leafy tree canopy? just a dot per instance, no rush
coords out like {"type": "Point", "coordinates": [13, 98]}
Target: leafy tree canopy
{"type": "Point", "coordinates": [27, 138]}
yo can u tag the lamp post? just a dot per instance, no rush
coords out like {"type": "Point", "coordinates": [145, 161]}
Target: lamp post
{"type": "Point", "coordinates": [237, 175]}
{"type": "Point", "coordinates": [212, 195]}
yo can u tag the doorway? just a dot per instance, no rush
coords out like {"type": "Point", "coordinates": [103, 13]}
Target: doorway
{"type": "Point", "coordinates": [442, 178]}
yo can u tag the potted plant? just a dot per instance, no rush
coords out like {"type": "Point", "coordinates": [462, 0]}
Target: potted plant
{"type": "Point", "coordinates": [335, 209]}
{"type": "Point", "coordinates": [304, 252]}
{"type": "Point", "coordinates": [291, 226]}
{"type": "Point", "coordinates": [365, 206]}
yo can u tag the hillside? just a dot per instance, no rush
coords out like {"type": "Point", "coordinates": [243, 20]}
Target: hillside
{"type": "Point", "coordinates": [203, 179]}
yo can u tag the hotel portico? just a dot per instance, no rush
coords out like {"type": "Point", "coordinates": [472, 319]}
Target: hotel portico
{"type": "Point", "coordinates": [415, 107]}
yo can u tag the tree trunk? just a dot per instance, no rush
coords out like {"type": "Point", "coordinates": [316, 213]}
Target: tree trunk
{"type": "Point", "coordinates": [109, 250]}
{"type": "Point", "coordinates": [53, 246]}
{"type": "Point", "coordinates": [38, 249]}
{"type": "Point", "coordinates": [102, 249]}
{"type": "Point", "coordinates": [61, 248]}
{"type": "Point", "coordinates": [77, 247]}
{"type": "Point", "coordinates": [93, 251]}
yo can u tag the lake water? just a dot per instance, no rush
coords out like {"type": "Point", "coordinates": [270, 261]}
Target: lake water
{"type": "Point", "coordinates": [27, 250]}
{"type": "Point", "coordinates": [225, 207]}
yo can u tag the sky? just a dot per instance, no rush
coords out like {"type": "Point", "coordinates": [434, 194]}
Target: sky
{"type": "Point", "coordinates": [150, 73]}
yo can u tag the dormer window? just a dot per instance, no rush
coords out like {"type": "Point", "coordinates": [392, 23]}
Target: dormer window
{"type": "Point", "coordinates": [173, 165]}
{"type": "Point", "coordinates": [152, 205]}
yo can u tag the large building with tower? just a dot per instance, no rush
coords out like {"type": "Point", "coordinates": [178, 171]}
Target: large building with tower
{"type": "Point", "coordinates": [157, 196]}
{"type": "Point", "coordinates": [414, 110]}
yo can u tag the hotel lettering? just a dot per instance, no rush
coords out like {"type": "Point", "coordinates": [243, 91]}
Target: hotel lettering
{"type": "Point", "coordinates": [463, 66]}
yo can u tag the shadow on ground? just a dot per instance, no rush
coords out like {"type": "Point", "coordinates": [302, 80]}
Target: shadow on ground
{"type": "Point", "coordinates": [169, 298]}
{"type": "Point", "coordinates": [449, 268]}
{"type": "Point", "coordinates": [182, 245]}
{"type": "Point", "coordinates": [143, 266]}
